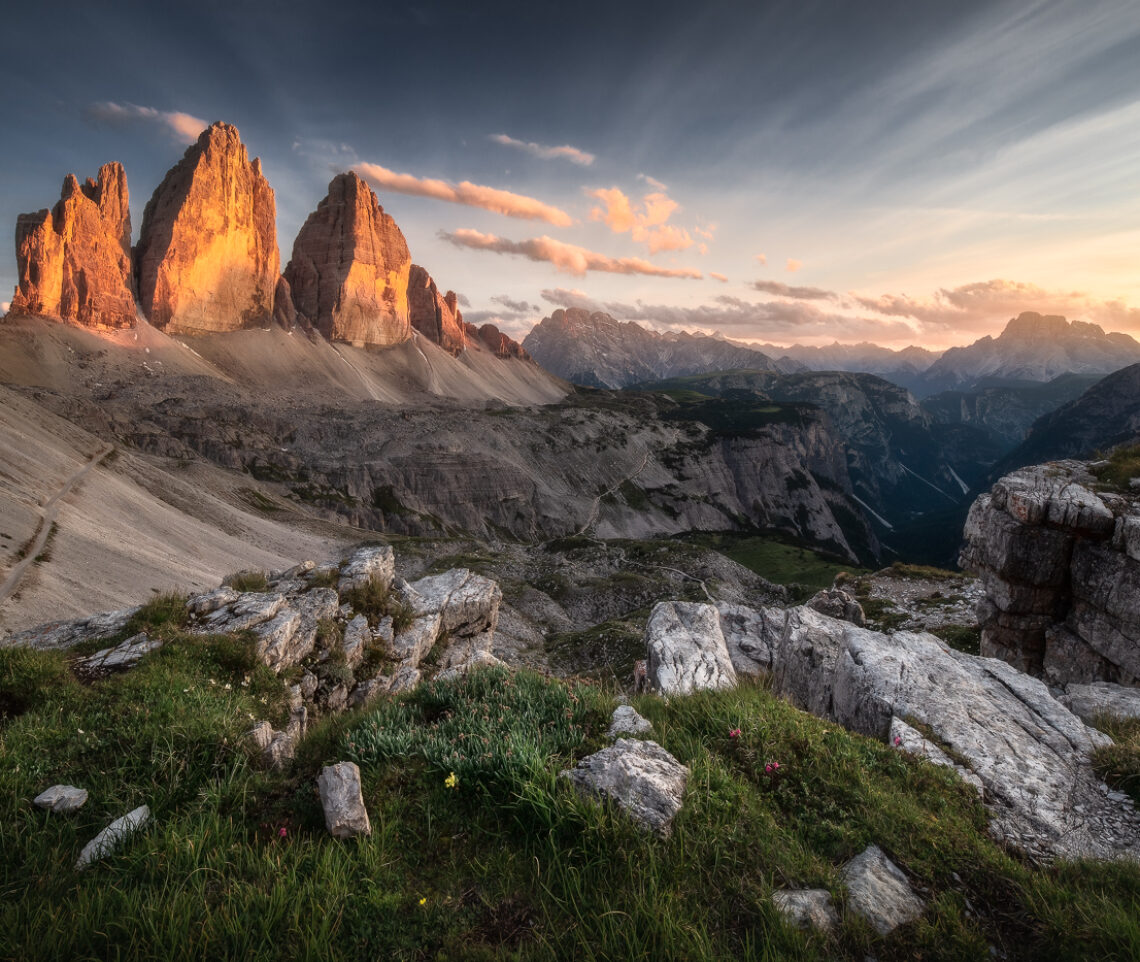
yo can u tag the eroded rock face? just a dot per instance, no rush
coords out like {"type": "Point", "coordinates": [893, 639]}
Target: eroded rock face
{"type": "Point", "coordinates": [207, 256]}
{"type": "Point", "coordinates": [350, 267]}
{"type": "Point", "coordinates": [687, 651]}
{"type": "Point", "coordinates": [74, 261]}
{"type": "Point", "coordinates": [1028, 751]}
{"type": "Point", "coordinates": [500, 345]}
{"type": "Point", "coordinates": [1060, 563]}
{"type": "Point", "coordinates": [435, 315]}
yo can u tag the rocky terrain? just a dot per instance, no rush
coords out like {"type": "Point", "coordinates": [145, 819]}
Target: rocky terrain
{"type": "Point", "coordinates": [903, 367]}
{"type": "Point", "coordinates": [597, 351]}
{"type": "Point", "coordinates": [1058, 552]}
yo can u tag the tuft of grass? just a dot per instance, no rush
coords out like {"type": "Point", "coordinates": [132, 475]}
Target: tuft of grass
{"type": "Point", "coordinates": [159, 616]}
{"type": "Point", "coordinates": [376, 600]}
{"type": "Point", "coordinates": [248, 581]}
{"type": "Point", "coordinates": [1119, 764]}
{"type": "Point", "coordinates": [1123, 465]}
{"type": "Point", "coordinates": [965, 638]}
{"type": "Point", "coordinates": [901, 569]}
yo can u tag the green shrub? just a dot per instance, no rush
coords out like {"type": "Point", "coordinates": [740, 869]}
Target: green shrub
{"type": "Point", "coordinates": [376, 600]}
{"type": "Point", "coordinates": [248, 581]}
{"type": "Point", "coordinates": [164, 612]}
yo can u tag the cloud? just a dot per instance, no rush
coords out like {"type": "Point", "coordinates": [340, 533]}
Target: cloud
{"type": "Point", "coordinates": [565, 257]}
{"type": "Point", "coordinates": [762, 258]}
{"type": "Point", "coordinates": [981, 305]}
{"type": "Point", "coordinates": [793, 265]}
{"type": "Point", "coordinates": [561, 297]}
{"type": "Point", "coordinates": [572, 154]}
{"type": "Point", "coordinates": [706, 232]}
{"type": "Point", "coordinates": [185, 127]}
{"type": "Point", "coordinates": [718, 277]}
{"type": "Point", "coordinates": [472, 195]}
{"type": "Point", "coordinates": [463, 300]}
{"type": "Point", "coordinates": [646, 222]}
{"type": "Point", "coordinates": [516, 307]}
{"type": "Point", "coordinates": [798, 293]}
{"type": "Point", "coordinates": [652, 182]}
{"type": "Point", "coordinates": [5, 306]}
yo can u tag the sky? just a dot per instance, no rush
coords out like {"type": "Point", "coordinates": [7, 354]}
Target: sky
{"type": "Point", "coordinates": [901, 172]}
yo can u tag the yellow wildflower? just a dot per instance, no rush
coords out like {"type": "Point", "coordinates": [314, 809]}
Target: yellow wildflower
{"type": "Point", "coordinates": [451, 781]}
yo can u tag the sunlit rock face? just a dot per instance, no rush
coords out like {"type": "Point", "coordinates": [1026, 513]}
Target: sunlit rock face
{"type": "Point", "coordinates": [350, 267]}
{"type": "Point", "coordinates": [207, 256]}
{"type": "Point", "coordinates": [499, 344]}
{"type": "Point", "coordinates": [74, 261]}
{"type": "Point", "coordinates": [435, 315]}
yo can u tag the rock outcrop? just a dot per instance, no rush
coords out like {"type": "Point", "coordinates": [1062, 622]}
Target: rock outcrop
{"type": "Point", "coordinates": [1031, 755]}
{"type": "Point", "coordinates": [1060, 563]}
{"type": "Point", "coordinates": [500, 345]}
{"type": "Point", "coordinates": [74, 261]}
{"type": "Point", "coordinates": [350, 267]}
{"type": "Point", "coordinates": [434, 315]}
{"type": "Point", "coordinates": [207, 258]}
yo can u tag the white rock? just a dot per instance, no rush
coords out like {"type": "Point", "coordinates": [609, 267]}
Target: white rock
{"type": "Point", "coordinates": [108, 840]}
{"type": "Point", "coordinates": [1102, 698]}
{"type": "Point", "coordinates": [626, 721]}
{"type": "Point", "coordinates": [61, 798]}
{"type": "Point", "coordinates": [807, 908]}
{"type": "Point", "coordinates": [639, 776]}
{"type": "Point", "coordinates": [687, 650]}
{"type": "Point", "coordinates": [878, 891]}
{"type": "Point", "coordinates": [356, 638]}
{"type": "Point", "coordinates": [367, 564]}
{"type": "Point", "coordinates": [251, 608]}
{"type": "Point", "coordinates": [909, 739]}
{"type": "Point", "coordinates": [343, 803]}
{"type": "Point", "coordinates": [122, 655]}
{"type": "Point", "coordinates": [201, 605]}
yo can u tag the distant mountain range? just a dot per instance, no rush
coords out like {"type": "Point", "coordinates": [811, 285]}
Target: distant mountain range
{"type": "Point", "coordinates": [599, 351]}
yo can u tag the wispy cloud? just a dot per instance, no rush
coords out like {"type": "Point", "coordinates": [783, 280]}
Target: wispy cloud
{"type": "Point", "coordinates": [565, 152]}
{"type": "Point", "coordinates": [185, 127]}
{"type": "Point", "coordinates": [471, 195]}
{"type": "Point", "coordinates": [652, 182]}
{"type": "Point", "coordinates": [565, 257]}
{"type": "Point", "coordinates": [515, 307]}
{"type": "Point", "coordinates": [563, 297]}
{"type": "Point", "coordinates": [797, 293]}
{"type": "Point", "coordinates": [718, 277]}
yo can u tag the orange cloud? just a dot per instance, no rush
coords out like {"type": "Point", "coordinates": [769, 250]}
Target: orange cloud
{"type": "Point", "coordinates": [794, 265]}
{"type": "Point", "coordinates": [645, 223]}
{"type": "Point", "coordinates": [472, 195]}
{"type": "Point", "coordinates": [718, 277]}
{"type": "Point", "coordinates": [762, 258]}
{"type": "Point", "coordinates": [185, 127]}
{"type": "Point", "coordinates": [565, 257]}
{"type": "Point", "coordinates": [572, 154]}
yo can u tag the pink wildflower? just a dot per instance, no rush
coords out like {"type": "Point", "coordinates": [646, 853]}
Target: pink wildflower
{"type": "Point", "coordinates": [734, 733]}
{"type": "Point", "coordinates": [898, 740]}
{"type": "Point", "coordinates": [282, 832]}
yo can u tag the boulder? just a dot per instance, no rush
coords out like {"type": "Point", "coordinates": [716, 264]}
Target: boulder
{"type": "Point", "coordinates": [350, 267]}
{"type": "Point", "coordinates": [639, 776]}
{"type": "Point", "coordinates": [435, 315]}
{"type": "Point", "coordinates": [376, 563]}
{"type": "Point", "coordinates": [342, 801]}
{"type": "Point", "coordinates": [1102, 699]}
{"type": "Point", "coordinates": [61, 798]}
{"type": "Point", "coordinates": [687, 650]}
{"type": "Point", "coordinates": [837, 603]}
{"type": "Point", "coordinates": [807, 908]}
{"type": "Point", "coordinates": [293, 641]}
{"type": "Point", "coordinates": [112, 836]}
{"type": "Point", "coordinates": [207, 258]}
{"type": "Point", "coordinates": [74, 262]}
{"type": "Point", "coordinates": [252, 608]}
{"type": "Point", "coordinates": [459, 603]}
{"type": "Point", "coordinates": [878, 891]}
{"type": "Point", "coordinates": [123, 655]}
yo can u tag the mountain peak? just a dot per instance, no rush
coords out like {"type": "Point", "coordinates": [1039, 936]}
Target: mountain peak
{"type": "Point", "coordinates": [1030, 324]}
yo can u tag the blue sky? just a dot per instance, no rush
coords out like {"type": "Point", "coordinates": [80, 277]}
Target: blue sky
{"type": "Point", "coordinates": [911, 172]}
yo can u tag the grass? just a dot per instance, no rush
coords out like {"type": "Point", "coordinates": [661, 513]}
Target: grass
{"type": "Point", "coordinates": [506, 863]}
{"type": "Point", "coordinates": [248, 581]}
{"type": "Point", "coordinates": [1123, 465]}
{"type": "Point", "coordinates": [965, 638]}
{"type": "Point", "coordinates": [1119, 764]}
{"type": "Point", "coordinates": [779, 561]}
{"type": "Point", "coordinates": [376, 600]}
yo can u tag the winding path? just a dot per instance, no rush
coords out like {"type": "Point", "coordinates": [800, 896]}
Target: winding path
{"type": "Point", "coordinates": [597, 505]}
{"type": "Point", "coordinates": [49, 512]}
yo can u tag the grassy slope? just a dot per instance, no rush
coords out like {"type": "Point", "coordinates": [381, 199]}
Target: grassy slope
{"type": "Point", "coordinates": [507, 864]}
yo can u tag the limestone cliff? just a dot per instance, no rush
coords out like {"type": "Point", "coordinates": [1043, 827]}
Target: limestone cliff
{"type": "Point", "coordinates": [350, 267]}
{"type": "Point", "coordinates": [1059, 556]}
{"type": "Point", "coordinates": [499, 344]}
{"type": "Point", "coordinates": [207, 255]}
{"type": "Point", "coordinates": [435, 315]}
{"type": "Point", "coordinates": [74, 261]}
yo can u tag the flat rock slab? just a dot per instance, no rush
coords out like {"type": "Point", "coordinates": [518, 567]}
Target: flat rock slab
{"type": "Point", "coordinates": [377, 563]}
{"type": "Point", "coordinates": [626, 721]}
{"type": "Point", "coordinates": [639, 776]}
{"type": "Point", "coordinates": [687, 651]}
{"type": "Point", "coordinates": [878, 891]}
{"type": "Point", "coordinates": [123, 655]}
{"type": "Point", "coordinates": [807, 908]}
{"type": "Point", "coordinates": [909, 739]}
{"type": "Point", "coordinates": [61, 798]}
{"type": "Point", "coordinates": [110, 838]}
{"type": "Point", "coordinates": [1102, 698]}
{"type": "Point", "coordinates": [342, 801]}
{"type": "Point", "coordinates": [66, 634]}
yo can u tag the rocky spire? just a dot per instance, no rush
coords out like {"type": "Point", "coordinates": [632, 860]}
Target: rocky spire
{"type": "Point", "coordinates": [207, 256]}
{"type": "Point", "coordinates": [350, 266]}
{"type": "Point", "coordinates": [435, 315]}
{"type": "Point", "coordinates": [74, 261]}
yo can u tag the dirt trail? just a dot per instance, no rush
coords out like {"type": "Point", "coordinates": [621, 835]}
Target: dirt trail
{"type": "Point", "coordinates": [595, 509]}
{"type": "Point", "coordinates": [49, 511]}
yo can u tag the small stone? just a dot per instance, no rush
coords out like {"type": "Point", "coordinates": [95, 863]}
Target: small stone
{"type": "Point", "coordinates": [878, 891]}
{"type": "Point", "coordinates": [626, 721]}
{"type": "Point", "coordinates": [343, 803]}
{"type": "Point", "coordinates": [807, 908]}
{"type": "Point", "coordinates": [108, 840]}
{"type": "Point", "coordinates": [61, 798]}
{"type": "Point", "coordinates": [640, 777]}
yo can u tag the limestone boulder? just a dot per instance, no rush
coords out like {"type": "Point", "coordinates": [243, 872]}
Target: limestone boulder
{"type": "Point", "coordinates": [376, 563]}
{"type": "Point", "coordinates": [113, 836]}
{"type": "Point", "coordinates": [838, 603]}
{"type": "Point", "coordinates": [61, 798]}
{"type": "Point", "coordinates": [878, 891]}
{"type": "Point", "coordinates": [74, 261]}
{"type": "Point", "coordinates": [350, 266]}
{"type": "Point", "coordinates": [687, 650]}
{"type": "Point", "coordinates": [640, 777]}
{"type": "Point", "coordinates": [626, 720]}
{"type": "Point", "coordinates": [207, 258]}
{"type": "Point", "coordinates": [807, 908]}
{"type": "Point", "coordinates": [342, 801]}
